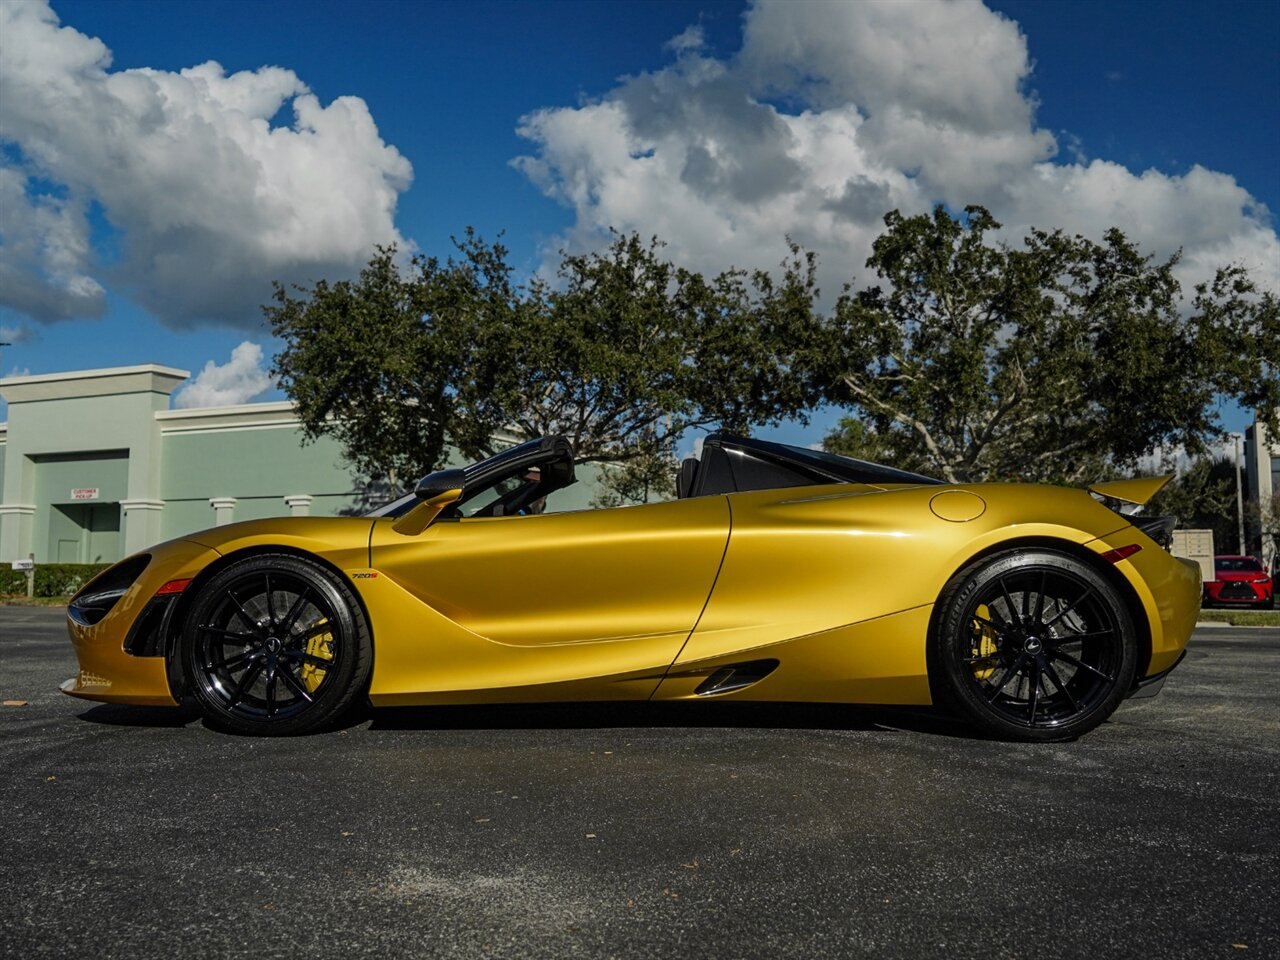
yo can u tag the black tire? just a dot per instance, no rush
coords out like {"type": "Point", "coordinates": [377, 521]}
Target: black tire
{"type": "Point", "coordinates": [1033, 645]}
{"type": "Point", "coordinates": [275, 645]}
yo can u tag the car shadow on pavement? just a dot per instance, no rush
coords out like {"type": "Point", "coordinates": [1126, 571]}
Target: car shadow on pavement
{"type": "Point", "coordinates": [568, 716]}
{"type": "Point", "coordinates": [586, 716]}
{"type": "Point", "coordinates": [120, 715]}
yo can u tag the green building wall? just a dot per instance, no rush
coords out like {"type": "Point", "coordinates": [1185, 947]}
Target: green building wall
{"type": "Point", "coordinates": [94, 465]}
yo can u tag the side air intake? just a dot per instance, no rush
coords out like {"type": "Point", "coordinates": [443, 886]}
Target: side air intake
{"type": "Point", "coordinates": [735, 677]}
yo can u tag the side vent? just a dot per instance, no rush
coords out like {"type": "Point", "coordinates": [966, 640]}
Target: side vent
{"type": "Point", "coordinates": [735, 677]}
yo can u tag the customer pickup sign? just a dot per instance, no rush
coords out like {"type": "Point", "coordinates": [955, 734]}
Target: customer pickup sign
{"type": "Point", "coordinates": [84, 493]}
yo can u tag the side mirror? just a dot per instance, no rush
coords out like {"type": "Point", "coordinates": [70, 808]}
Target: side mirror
{"type": "Point", "coordinates": [434, 492]}
{"type": "Point", "coordinates": [443, 483]}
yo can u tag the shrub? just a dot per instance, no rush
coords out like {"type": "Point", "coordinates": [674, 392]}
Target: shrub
{"type": "Point", "coordinates": [52, 579]}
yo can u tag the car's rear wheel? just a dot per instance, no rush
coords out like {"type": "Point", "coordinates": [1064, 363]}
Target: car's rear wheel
{"type": "Point", "coordinates": [275, 644]}
{"type": "Point", "coordinates": [1033, 645]}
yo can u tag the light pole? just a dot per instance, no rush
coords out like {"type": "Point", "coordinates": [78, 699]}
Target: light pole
{"type": "Point", "coordinates": [1239, 495]}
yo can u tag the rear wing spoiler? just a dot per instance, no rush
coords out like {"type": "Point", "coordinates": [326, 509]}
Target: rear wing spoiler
{"type": "Point", "coordinates": [1137, 491]}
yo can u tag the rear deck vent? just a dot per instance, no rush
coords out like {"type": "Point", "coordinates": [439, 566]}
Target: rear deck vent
{"type": "Point", "coordinates": [1159, 529]}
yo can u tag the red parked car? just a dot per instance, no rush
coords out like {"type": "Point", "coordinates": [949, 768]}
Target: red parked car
{"type": "Point", "coordinates": [1240, 581]}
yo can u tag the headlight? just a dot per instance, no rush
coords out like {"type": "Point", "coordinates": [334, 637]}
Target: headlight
{"type": "Point", "coordinates": [100, 594]}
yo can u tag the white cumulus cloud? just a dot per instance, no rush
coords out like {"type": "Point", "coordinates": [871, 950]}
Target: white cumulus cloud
{"type": "Point", "coordinates": [238, 380]}
{"type": "Point", "coordinates": [209, 203]}
{"type": "Point", "coordinates": [833, 113]}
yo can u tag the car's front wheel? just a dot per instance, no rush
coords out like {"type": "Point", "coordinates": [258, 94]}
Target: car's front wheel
{"type": "Point", "coordinates": [1033, 645]}
{"type": "Point", "coordinates": [275, 644]}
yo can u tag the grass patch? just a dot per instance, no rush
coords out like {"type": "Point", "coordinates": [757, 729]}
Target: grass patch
{"type": "Point", "coordinates": [1242, 618]}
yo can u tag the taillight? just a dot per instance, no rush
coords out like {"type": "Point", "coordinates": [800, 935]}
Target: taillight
{"type": "Point", "coordinates": [1119, 553]}
{"type": "Point", "coordinates": [172, 587]}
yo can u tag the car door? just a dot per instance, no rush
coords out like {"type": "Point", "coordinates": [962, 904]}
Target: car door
{"type": "Point", "coordinates": [589, 603]}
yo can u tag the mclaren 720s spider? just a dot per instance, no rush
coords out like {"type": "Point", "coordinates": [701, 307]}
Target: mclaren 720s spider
{"type": "Point", "coordinates": [778, 573]}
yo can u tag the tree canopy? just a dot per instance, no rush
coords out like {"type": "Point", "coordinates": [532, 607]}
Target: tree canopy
{"type": "Point", "coordinates": [400, 363]}
{"type": "Point", "coordinates": [1059, 359]}
{"type": "Point", "coordinates": [1203, 497]}
{"type": "Point", "coordinates": [623, 353]}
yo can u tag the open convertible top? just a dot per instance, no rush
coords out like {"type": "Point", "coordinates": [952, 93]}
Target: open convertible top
{"type": "Point", "coordinates": [505, 484]}
{"type": "Point", "coordinates": [731, 464]}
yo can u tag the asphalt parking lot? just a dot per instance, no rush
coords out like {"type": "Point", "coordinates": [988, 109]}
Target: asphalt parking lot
{"type": "Point", "coordinates": [711, 830]}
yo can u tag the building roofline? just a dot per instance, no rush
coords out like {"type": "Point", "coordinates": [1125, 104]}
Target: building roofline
{"type": "Point", "coordinates": [242, 416]}
{"type": "Point", "coordinates": [236, 409]}
{"type": "Point", "coordinates": [146, 378]}
{"type": "Point", "coordinates": [99, 373]}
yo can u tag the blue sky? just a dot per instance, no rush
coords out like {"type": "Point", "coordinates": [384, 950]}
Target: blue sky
{"type": "Point", "coordinates": [1159, 117]}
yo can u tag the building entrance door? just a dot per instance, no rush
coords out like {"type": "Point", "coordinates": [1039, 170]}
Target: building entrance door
{"type": "Point", "coordinates": [84, 532]}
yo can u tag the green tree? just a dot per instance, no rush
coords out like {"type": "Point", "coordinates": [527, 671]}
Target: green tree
{"type": "Point", "coordinates": [649, 475]}
{"type": "Point", "coordinates": [402, 362]}
{"type": "Point", "coordinates": [626, 351]}
{"type": "Point", "coordinates": [623, 353]}
{"type": "Point", "coordinates": [1060, 359]}
{"type": "Point", "coordinates": [1202, 497]}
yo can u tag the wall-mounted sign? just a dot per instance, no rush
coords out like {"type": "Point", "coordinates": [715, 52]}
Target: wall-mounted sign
{"type": "Point", "coordinates": [84, 493]}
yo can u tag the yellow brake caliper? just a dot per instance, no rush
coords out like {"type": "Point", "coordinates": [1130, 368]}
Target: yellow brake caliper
{"type": "Point", "coordinates": [985, 646]}
{"type": "Point", "coordinates": [320, 645]}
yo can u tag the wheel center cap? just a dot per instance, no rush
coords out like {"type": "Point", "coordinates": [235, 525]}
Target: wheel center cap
{"type": "Point", "coordinates": [1033, 645]}
{"type": "Point", "coordinates": [273, 644]}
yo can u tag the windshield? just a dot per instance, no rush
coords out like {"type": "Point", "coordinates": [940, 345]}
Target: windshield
{"type": "Point", "coordinates": [1237, 565]}
{"type": "Point", "coordinates": [516, 482]}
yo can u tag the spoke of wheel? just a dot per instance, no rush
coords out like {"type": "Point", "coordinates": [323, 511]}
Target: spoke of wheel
{"type": "Point", "coordinates": [238, 660]}
{"type": "Point", "coordinates": [1071, 606]}
{"type": "Point", "coordinates": [229, 636]}
{"type": "Point", "coordinates": [1044, 577]}
{"type": "Point", "coordinates": [1073, 637]}
{"type": "Point", "coordinates": [271, 607]}
{"type": "Point", "coordinates": [1034, 693]}
{"type": "Point", "coordinates": [1010, 673]}
{"type": "Point", "coordinates": [315, 630]}
{"type": "Point", "coordinates": [1008, 599]}
{"type": "Point", "coordinates": [271, 690]}
{"type": "Point", "coordinates": [310, 658]}
{"type": "Point", "coordinates": [1059, 655]}
{"type": "Point", "coordinates": [292, 681]}
{"type": "Point", "coordinates": [981, 657]}
{"type": "Point", "coordinates": [997, 627]}
{"type": "Point", "coordinates": [245, 681]}
{"type": "Point", "coordinates": [253, 624]}
{"type": "Point", "coordinates": [998, 621]}
{"type": "Point", "coordinates": [295, 611]}
{"type": "Point", "coordinates": [1057, 682]}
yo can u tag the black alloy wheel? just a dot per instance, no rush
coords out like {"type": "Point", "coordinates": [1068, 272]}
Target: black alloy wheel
{"type": "Point", "coordinates": [275, 644]}
{"type": "Point", "coordinates": [1034, 645]}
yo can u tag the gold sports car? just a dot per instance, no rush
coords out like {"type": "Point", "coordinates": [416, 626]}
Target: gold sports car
{"type": "Point", "coordinates": [779, 573]}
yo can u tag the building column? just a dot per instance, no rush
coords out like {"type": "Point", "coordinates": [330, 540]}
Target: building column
{"type": "Point", "coordinates": [224, 510]}
{"type": "Point", "coordinates": [299, 504]}
{"type": "Point", "coordinates": [15, 530]}
{"type": "Point", "coordinates": [140, 523]}
{"type": "Point", "coordinates": [1259, 449]}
